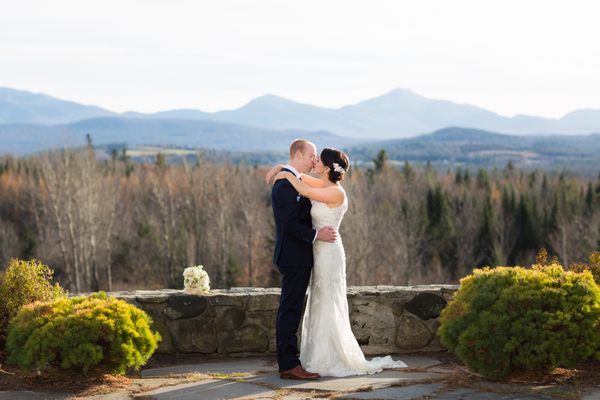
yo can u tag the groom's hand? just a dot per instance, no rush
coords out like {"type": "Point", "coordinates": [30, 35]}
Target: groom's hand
{"type": "Point", "coordinates": [327, 234]}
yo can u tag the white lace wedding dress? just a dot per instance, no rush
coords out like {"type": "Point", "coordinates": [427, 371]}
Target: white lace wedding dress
{"type": "Point", "coordinates": [328, 346]}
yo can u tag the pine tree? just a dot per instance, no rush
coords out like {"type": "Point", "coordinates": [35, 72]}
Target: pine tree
{"type": "Point", "coordinates": [589, 199]}
{"type": "Point", "coordinates": [441, 231]}
{"type": "Point", "coordinates": [528, 239]}
{"type": "Point", "coordinates": [532, 178]}
{"type": "Point", "coordinates": [544, 186]}
{"type": "Point", "coordinates": [483, 180]}
{"type": "Point", "coordinates": [552, 220]}
{"type": "Point", "coordinates": [509, 169]}
{"type": "Point", "coordinates": [161, 160]}
{"type": "Point", "coordinates": [458, 177]}
{"type": "Point", "coordinates": [508, 203]}
{"type": "Point", "coordinates": [467, 177]}
{"type": "Point", "coordinates": [380, 161]}
{"type": "Point", "coordinates": [485, 248]}
{"type": "Point", "coordinates": [199, 159]}
{"type": "Point", "coordinates": [429, 172]}
{"type": "Point", "coordinates": [408, 172]}
{"type": "Point", "coordinates": [88, 141]}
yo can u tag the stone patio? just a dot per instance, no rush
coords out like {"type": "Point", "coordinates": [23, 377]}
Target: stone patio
{"type": "Point", "coordinates": [256, 378]}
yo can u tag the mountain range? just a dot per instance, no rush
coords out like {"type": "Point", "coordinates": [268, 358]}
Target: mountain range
{"type": "Point", "coordinates": [408, 126]}
{"type": "Point", "coordinates": [178, 133]}
{"type": "Point", "coordinates": [397, 114]}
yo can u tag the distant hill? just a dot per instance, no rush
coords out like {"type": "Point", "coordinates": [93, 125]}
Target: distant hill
{"type": "Point", "coordinates": [397, 114]}
{"type": "Point", "coordinates": [477, 148]}
{"type": "Point", "coordinates": [29, 138]}
{"type": "Point", "coordinates": [17, 106]}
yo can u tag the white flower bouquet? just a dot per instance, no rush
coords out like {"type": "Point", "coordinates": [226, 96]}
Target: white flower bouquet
{"type": "Point", "coordinates": [195, 280]}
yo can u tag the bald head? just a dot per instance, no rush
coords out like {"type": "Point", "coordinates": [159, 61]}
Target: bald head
{"type": "Point", "coordinates": [303, 155]}
{"type": "Point", "coordinates": [297, 145]}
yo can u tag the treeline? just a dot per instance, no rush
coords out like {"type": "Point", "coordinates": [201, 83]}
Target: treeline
{"type": "Point", "coordinates": [113, 224]}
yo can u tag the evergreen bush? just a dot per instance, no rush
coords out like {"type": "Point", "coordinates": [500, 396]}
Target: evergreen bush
{"type": "Point", "coordinates": [81, 333]}
{"type": "Point", "coordinates": [507, 318]}
{"type": "Point", "coordinates": [24, 282]}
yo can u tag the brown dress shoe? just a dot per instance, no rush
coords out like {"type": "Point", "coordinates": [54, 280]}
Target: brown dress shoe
{"type": "Point", "coordinates": [298, 373]}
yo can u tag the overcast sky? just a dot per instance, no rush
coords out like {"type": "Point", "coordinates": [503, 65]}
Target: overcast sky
{"type": "Point", "coordinates": [512, 57]}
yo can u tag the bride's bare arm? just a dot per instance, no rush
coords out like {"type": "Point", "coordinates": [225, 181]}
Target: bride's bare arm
{"type": "Point", "coordinates": [273, 171]}
{"type": "Point", "coordinates": [329, 195]}
{"type": "Point", "coordinates": [314, 182]}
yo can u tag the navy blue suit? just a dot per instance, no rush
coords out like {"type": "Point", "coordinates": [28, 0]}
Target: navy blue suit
{"type": "Point", "coordinates": [293, 257]}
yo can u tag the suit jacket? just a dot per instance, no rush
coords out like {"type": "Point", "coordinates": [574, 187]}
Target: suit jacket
{"type": "Point", "coordinates": [294, 234]}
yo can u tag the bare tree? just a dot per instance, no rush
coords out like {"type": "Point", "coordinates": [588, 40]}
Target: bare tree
{"type": "Point", "coordinates": [356, 230]}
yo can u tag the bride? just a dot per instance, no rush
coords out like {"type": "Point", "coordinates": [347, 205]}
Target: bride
{"type": "Point", "coordinates": [328, 346]}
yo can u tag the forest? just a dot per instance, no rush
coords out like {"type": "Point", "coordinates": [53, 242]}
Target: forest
{"type": "Point", "coordinates": [115, 224]}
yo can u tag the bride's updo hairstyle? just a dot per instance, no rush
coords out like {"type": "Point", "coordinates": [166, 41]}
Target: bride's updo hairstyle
{"type": "Point", "coordinates": [337, 161]}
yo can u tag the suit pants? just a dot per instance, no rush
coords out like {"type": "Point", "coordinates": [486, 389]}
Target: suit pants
{"type": "Point", "coordinates": [294, 282]}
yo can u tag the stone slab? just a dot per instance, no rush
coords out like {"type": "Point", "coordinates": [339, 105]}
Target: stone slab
{"type": "Point", "coordinates": [417, 361]}
{"type": "Point", "coordinates": [467, 394]}
{"type": "Point", "coordinates": [593, 394]}
{"type": "Point", "coordinates": [441, 370]}
{"type": "Point", "coordinates": [350, 383]}
{"type": "Point", "coordinates": [212, 389]}
{"type": "Point", "coordinates": [225, 367]}
{"type": "Point", "coordinates": [525, 391]}
{"type": "Point", "coordinates": [403, 393]}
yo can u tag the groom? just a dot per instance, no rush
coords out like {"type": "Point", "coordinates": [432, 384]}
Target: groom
{"type": "Point", "coordinates": [293, 256]}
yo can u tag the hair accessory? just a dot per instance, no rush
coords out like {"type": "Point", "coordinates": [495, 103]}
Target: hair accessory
{"type": "Point", "coordinates": [338, 168]}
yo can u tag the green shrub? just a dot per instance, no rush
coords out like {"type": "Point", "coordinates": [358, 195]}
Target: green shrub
{"type": "Point", "coordinates": [506, 318]}
{"type": "Point", "coordinates": [81, 333]}
{"type": "Point", "coordinates": [22, 283]}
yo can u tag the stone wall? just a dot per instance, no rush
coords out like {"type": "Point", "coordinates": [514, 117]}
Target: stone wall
{"type": "Point", "coordinates": [385, 319]}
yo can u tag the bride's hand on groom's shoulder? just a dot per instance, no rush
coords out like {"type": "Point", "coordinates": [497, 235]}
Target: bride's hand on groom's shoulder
{"type": "Point", "coordinates": [282, 175]}
{"type": "Point", "coordinates": [271, 174]}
